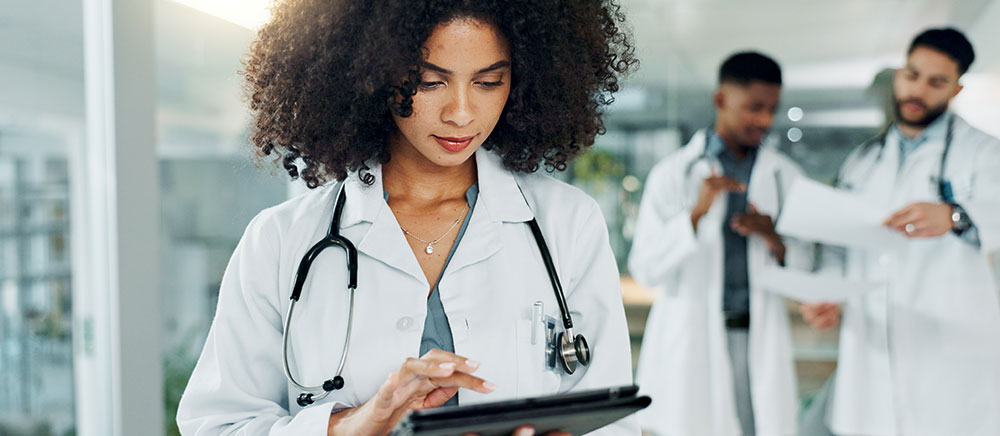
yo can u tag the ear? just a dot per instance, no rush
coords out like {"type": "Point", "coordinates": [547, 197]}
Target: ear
{"type": "Point", "coordinates": [958, 89]}
{"type": "Point", "coordinates": [718, 99]}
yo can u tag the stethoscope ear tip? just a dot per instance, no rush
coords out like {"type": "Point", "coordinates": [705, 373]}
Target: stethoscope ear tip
{"type": "Point", "coordinates": [304, 400]}
{"type": "Point", "coordinates": [333, 384]}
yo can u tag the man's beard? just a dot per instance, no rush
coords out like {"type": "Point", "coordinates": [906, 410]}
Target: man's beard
{"type": "Point", "coordinates": [933, 113]}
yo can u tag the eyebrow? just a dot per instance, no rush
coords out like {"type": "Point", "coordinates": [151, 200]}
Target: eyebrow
{"type": "Point", "coordinates": [939, 77]}
{"type": "Point", "coordinates": [496, 66]}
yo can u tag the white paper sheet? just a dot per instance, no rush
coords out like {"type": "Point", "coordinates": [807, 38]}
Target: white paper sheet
{"type": "Point", "coordinates": [812, 287]}
{"type": "Point", "coordinates": [816, 212]}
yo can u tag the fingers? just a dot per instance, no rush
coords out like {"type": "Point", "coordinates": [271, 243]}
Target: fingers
{"type": "Point", "coordinates": [738, 224]}
{"type": "Point", "coordinates": [524, 430]}
{"type": "Point", "coordinates": [461, 364]}
{"type": "Point", "coordinates": [439, 396]}
{"type": "Point", "coordinates": [725, 183]}
{"type": "Point", "coordinates": [820, 316]}
{"type": "Point", "coordinates": [906, 215]}
{"type": "Point", "coordinates": [438, 375]}
{"type": "Point", "coordinates": [921, 220]}
{"type": "Point", "coordinates": [752, 208]}
{"type": "Point", "coordinates": [464, 380]}
{"type": "Point", "coordinates": [825, 320]}
{"type": "Point", "coordinates": [750, 224]}
{"type": "Point", "coordinates": [443, 369]}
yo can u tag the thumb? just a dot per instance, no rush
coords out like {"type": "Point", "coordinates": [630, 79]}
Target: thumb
{"type": "Point", "coordinates": [752, 208]}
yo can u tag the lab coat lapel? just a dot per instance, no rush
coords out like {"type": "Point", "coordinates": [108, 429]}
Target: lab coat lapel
{"type": "Point", "coordinates": [383, 239]}
{"type": "Point", "coordinates": [762, 191]}
{"type": "Point", "coordinates": [499, 201]}
{"type": "Point", "coordinates": [883, 181]}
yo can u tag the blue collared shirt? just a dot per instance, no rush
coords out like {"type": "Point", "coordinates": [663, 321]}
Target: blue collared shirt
{"type": "Point", "coordinates": [437, 332]}
{"type": "Point", "coordinates": [936, 131]}
{"type": "Point", "coordinates": [736, 283]}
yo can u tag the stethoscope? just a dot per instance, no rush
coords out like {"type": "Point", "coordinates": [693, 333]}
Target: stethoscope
{"type": "Point", "coordinates": [573, 350]}
{"type": "Point", "coordinates": [943, 186]}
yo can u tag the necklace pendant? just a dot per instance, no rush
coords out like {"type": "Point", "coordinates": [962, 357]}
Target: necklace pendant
{"type": "Point", "coordinates": [429, 249]}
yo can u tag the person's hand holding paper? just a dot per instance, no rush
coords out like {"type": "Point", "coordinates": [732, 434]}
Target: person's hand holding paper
{"type": "Point", "coordinates": [817, 212]}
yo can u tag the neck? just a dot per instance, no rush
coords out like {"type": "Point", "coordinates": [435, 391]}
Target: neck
{"type": "Point", "coordinates": [409, 175]}
{"type": "Point", "coordinates": [909, 130]}
{"type": "Point", "coordinates": [737, 150]}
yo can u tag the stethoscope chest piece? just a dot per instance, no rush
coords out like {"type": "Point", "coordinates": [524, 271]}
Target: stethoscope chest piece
{"type": "Point", "coordinates": [573, 351]}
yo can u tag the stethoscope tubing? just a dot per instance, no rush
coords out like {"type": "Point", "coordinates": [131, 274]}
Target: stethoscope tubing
{"type": "Point", "coordinates": [333, 237]}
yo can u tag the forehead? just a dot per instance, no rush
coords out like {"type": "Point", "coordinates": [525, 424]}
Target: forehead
{"type": "Point", "coordinates": [755, 90]}
{"type": "Point", "coordinates": [466, 44]}
{"type": "Point", "coordinates": [928, 61]}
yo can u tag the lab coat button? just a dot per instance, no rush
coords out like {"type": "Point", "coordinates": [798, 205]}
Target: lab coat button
{"type": "Point", "coordinates": [404, 323]}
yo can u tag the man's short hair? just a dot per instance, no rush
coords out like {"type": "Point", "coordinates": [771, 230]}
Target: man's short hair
{"type": "Point", "coordinates": [745, 67]}
{"type": "Point", "coordinates": [948, 41]}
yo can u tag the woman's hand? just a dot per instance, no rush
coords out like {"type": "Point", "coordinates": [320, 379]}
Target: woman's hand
{"type": "Point", "coordinates": [421, 383]}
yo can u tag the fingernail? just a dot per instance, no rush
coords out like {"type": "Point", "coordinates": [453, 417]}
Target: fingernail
{"type": "Point", "coordinates": [472, 363]}
{"type": "Point", "coordinates": [491, 387]}
{"type": "Point", "coordinates": [448, 365]}
{"type": "Point", "coordinates": [530, 431]}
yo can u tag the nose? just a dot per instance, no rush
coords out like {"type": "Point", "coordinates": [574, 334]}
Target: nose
{"type": "Point", "coordinates": [459, 109]}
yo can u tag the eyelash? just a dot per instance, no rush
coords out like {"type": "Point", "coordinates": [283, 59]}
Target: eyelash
{"type": "Point", "coordinates": [485, 85]}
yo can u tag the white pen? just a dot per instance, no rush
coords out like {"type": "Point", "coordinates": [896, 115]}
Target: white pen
{"type": "Point", "coordinates": [536, 320]}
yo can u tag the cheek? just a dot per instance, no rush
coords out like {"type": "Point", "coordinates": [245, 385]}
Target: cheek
{"type": "Point", "coordinates": [901, 88]}
{"type": "Point", "coordinates": [494, 102]}
{"type": "Point", "coordinates": [941, 96]}
{"type": "Point", "coordinates": [423, 107]}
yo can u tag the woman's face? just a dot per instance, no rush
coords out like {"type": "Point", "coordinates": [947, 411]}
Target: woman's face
{"type": "Point", "coordinates": [465, 81]}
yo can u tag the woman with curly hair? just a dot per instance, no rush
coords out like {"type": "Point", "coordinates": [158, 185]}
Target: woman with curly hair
{"type": "Point", "coordinates": [420, 126]}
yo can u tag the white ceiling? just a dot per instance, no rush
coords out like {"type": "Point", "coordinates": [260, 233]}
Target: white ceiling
{"type": "Point", "coordinates": [821, 44]}
{"type": "Point", "coordinates": [818, 42]}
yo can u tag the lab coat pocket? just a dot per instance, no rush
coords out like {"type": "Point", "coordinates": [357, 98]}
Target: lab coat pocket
{"type": "Point", "coordinates": [533, 378]}
{"type": "Point", "coordinates": [961, 188]}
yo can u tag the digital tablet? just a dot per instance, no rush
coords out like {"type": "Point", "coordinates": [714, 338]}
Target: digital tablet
{"type": "Point", "coordinates": [575, 413]}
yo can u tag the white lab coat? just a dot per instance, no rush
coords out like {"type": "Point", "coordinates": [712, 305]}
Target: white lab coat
{"type": "Point", "coordinates": [921, 355]}
{"type": "Point", "coordinates": [488, 289]}
{"type": "Point", "coordinates": [684, 362]}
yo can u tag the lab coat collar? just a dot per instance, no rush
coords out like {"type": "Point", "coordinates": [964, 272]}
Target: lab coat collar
{"type": "Point", "coordinates": [696, 146]}
{"type": "Point", "coordinates": [500, 200]}
{"type": "Point", "coordinates": [499, 193]}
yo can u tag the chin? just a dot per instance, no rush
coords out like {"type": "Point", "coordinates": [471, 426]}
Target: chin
{"type": "Point", "coordinates": [444, 158]}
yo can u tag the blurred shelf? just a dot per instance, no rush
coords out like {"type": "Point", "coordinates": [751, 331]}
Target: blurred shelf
{"type": "Point", "coordinates": [36, 229]}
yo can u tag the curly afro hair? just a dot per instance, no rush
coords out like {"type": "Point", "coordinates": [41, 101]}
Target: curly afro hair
{"type": "Point", "coordinates": [323, 76]}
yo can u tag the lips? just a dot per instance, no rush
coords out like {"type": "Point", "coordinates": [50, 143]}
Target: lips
{"type": "Point", "coordinates": [453, 144]}
{"type": "Point", "coordinates": [914, 107]}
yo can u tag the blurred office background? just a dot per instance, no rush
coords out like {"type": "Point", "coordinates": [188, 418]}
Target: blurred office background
{"type": "Point", "coordinates": [52, 325]}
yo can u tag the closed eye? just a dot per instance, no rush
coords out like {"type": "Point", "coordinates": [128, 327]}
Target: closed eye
{"type": "Point", "coordinates": [430, 85]}
{"type": "Point", "coordinates": [490, 85]}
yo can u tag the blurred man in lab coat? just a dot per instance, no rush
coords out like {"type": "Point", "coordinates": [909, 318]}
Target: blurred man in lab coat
{"type": "Point", "coordinates": [716, 355]}
{"type": "Point", "coordinates": [921, 354]}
